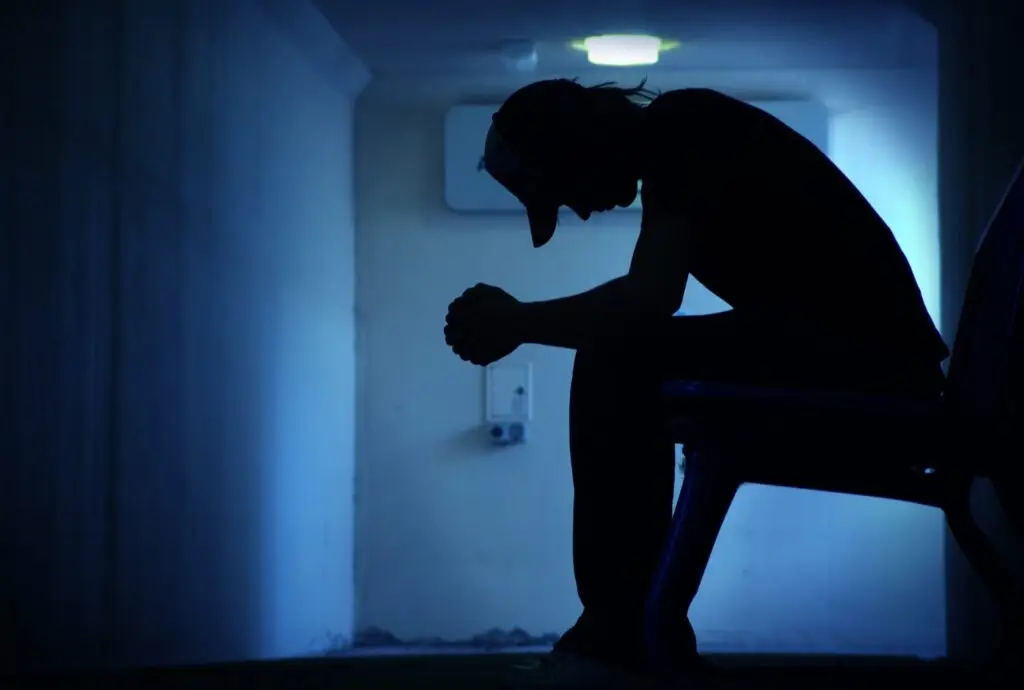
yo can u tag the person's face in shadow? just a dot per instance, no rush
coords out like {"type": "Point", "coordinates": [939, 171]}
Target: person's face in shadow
{"type": "Point", "coordinates": [581, 176]}
{"type": "Point", "coordinates": [593, 183]}
{"type": "Point", "coordinates": [593, 169]}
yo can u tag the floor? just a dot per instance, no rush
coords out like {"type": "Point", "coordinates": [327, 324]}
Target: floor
{"type": "Point", "coordinates": [458, 670]}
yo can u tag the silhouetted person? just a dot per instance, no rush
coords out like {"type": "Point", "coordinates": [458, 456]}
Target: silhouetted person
{"type": "Point", "coordinates": [822, 297]}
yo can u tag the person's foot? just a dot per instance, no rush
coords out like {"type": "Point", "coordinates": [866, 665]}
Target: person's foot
{"type": "Point", "coordinates": [562, 670]}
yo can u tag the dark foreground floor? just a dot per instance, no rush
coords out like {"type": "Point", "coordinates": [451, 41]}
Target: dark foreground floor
{"type": "Point", "coordinates": [484, 672]}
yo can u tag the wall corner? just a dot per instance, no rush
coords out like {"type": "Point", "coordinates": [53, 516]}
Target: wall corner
{"type": "Point", "coordinates": [315, 36]}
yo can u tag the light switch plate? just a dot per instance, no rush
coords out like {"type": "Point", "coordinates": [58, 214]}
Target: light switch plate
{"type": "Point", "coordinates": [509, 392]}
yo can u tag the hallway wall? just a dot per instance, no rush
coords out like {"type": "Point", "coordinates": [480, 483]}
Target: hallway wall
{"type": "Point", "coordinates": [176, 325]}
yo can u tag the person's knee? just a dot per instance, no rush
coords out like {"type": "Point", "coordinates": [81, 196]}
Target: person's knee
{"type": "Point", "coordinates": [616, 375]}
{"type": "Point", "coordinates": [620, 346]}
{"type": "Point", "coordinates": [607, 348]}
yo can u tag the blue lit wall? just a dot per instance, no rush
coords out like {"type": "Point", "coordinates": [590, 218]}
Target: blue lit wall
{"type": "Point", "coordinates": [176, 243]}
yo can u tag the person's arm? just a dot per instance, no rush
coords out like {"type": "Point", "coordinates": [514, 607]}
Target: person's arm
{"type": "Point", "coordinates": [652, 289]}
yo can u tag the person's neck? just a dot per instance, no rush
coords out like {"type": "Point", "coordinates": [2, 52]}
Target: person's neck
{"type": "Point", "coordinates": [633, 151]}
{"type": "Point", "coordinates": [639, 146]}
{"type": "Point", "coordinates": [626, 132]}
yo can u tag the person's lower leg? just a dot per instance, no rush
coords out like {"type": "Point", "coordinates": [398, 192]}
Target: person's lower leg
{"type": "Point", "coordinates": [623, 465]}
{"type": "Point", "coordinates": [704, 500]}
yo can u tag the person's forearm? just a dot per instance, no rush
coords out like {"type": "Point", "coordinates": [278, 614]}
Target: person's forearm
{"type": "Point", "coordinates": [569, 322]}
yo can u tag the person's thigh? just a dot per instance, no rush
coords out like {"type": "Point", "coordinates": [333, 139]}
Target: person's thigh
{"type": "Point", "coordinates": [741, 349]}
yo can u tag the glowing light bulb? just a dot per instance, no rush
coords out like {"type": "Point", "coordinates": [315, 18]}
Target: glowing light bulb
{"type": "Point", "coordinates": [622, 50]}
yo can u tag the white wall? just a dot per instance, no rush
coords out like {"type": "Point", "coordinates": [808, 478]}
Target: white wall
{"type": "Point", "coordinates": [177, 484]}
{"type": "Point", "coordinates": [454, 538]}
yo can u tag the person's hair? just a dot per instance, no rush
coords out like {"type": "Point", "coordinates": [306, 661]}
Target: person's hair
{"type": "Point", "coordinates": [638, 94]}
{"type": "Point", "coordinates": [609, 97]}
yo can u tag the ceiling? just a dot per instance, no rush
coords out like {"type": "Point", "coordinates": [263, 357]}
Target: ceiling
{"type": "Point", "coordinates": [409, 38]}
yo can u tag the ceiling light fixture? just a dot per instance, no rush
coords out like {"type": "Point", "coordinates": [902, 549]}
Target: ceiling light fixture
{"type": "Point", "coordinates": [623, 50]}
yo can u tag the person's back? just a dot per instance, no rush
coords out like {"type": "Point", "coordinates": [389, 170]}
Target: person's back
{"type": "Point", "coordinates": [778, 228]}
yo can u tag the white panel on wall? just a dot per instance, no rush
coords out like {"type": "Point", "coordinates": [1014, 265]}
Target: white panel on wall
{"type": "Point", "coordinates": [469, 190]}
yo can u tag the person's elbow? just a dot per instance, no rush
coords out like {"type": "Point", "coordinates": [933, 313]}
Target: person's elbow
{"type": "Point", "coordinates": [658, 298]}
{"type": "Point", "coordinates": [667, 301]}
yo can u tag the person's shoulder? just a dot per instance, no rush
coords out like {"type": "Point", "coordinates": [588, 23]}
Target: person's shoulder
{"type": "Point", "coordinates": [690, 101]}
{"type": "Point", "coordinates": [689, 117]}
{"type": "Point", "coordinates": [688, 142]}
{"type": "Point", "coordinates": [681, 123]}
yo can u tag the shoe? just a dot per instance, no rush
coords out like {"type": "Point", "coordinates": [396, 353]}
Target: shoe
{"type": "Point", "coordinates": [567, 671]}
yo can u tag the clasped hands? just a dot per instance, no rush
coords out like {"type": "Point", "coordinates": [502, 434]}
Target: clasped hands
{"type": "Point", "coordinates": [484, 324]}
